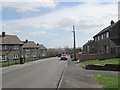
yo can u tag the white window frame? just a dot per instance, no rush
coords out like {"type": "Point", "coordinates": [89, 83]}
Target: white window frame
{"type": "Point", "coordinates": [98, 38]}
{"type": "Point", "coordinates": [88, 48]}
{"type": "Point", "coordinates": [4, 47]}
{"type": "Point", "coordinates": [102, 37]}
{"type": "Point", "coordinates": [107, 34]}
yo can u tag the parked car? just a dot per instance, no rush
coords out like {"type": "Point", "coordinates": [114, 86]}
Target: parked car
{"type": "Point", "coordinates": [64, 57]}
{"type": "Point", "coordinates": [59, 55]}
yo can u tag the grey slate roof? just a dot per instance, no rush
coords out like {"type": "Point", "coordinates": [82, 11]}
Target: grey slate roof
{"type": "Point", "coordinates": [89, 42]}
{"type": "Point", "coordinates": [10, 39]}
{"type": "Point", "coordinates": [107, 28]}
{"type": "Point", "coordinates": [30, 44]}
{"type": "Point", "coordinates": [41, 46]}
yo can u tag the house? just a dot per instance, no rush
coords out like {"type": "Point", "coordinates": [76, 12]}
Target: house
{"type": "Point", "coordinates": [10, 46]}
{"type": "Point", "coordinates": [106, 42]}
{"type": "Point", "coordinates": [30, 49]}
{"type": "Point", "coordinates": [89, 47]}
{"type": "Point", "coordinates": [41, 50]}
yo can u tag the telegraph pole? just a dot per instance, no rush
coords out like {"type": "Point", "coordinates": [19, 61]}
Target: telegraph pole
{"type": "Point", "coordinates": [74, 43]}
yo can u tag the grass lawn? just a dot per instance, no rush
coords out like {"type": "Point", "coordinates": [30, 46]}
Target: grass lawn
{"type": "Point", "coordinates": [100, 62]}
{"type": "Point", "coordinates": [108, 82]}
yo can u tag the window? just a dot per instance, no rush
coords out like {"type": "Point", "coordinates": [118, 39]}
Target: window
{"type": "Point", "coordinates": [15, 47]}
{"type": "Point", "coordinates": [98, 37]}
{"type": "Point", "coordinates": [0, 57]}
{"type": "Point", "coordinates": [112, 50]}
{"type": "Point", "coordinates": [4, 57]}
{"type": "Point", "coordinates": [0, 47]}
{"type": "Point", "coordinates": [95, 38]}
{"type": "Point", "coordinates": [107, 49]}
{"type": "Point", "coordinates": [88, 48]}
{"type": "Point", "coordinates": [107, 34]}
{"type": "Point", "coordinates": [27, 50]}
{"type": "Point", "coordinates": [102, 36]}
{"type": "Point", "coordinates": [4, 47]}
{"type": "Point", "coordinates": [15, 56]}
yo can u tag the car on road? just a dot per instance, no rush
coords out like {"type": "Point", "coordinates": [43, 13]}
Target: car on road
{"type": "Point", "coordinates": [64, 57]}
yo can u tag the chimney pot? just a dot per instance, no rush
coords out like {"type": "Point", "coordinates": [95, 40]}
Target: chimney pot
{"type": "Point", "coordinates": [26, 41]}
{"type": "Point", "coordinates": [3, 34]}
{"type": "Point", "coordinates": [37, 44]}
{"type": "Point", "coordinates": [112, 22]}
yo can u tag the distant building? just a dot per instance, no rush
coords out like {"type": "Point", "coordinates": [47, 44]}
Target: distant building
{"type": "Point", "coordinates": [106, 41]}
{"type": "Point", "coordinates": [41, 50]}
{"type": "Point", "coordinates": [30, 49]}
{"type": "Point", "coordinates": [10, 47]}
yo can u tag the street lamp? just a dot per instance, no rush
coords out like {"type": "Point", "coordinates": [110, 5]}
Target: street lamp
{"type": "Point", "coordinates": [74, 51]}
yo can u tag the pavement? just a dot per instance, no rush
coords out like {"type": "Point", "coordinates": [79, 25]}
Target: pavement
{"type": "Point", "coordinates": [77, 77]}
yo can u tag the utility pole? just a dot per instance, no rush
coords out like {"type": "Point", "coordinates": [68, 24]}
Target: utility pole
{"type": "Point", "coordinates": [74, 42]}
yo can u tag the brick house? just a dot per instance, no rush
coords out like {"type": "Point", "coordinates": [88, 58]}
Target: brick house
{"type": "Point", "coordinates": [30, 49]}
{"type": "Point", "coordinates": [106, 42]}
{"type": "Point", "coordinates": [10, 47]}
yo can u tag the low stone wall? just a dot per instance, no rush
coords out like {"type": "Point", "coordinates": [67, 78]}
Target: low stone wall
{"type": "Point", "coordinates": [109, 67]}
{"type": "Point", "coordinates": [84, 57]}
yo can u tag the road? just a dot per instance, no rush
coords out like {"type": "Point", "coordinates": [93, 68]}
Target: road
{"type": "Point", "coordinates": [37, 74]}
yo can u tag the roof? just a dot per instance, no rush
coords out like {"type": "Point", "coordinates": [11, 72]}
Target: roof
{"type": "Point", "coordinates": [41, 46]}
{"type": "Point", "coordinates": [30, 44]}
{"type": "Point", "coordinates": [10, 39]}
{"type": "Point", "coordinates": [89, 42]}
{"type": "Point", "coordinates": [107, 28]}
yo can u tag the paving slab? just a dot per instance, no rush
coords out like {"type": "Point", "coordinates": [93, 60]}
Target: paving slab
{"type": "Point", "coordinates": [77, 77]}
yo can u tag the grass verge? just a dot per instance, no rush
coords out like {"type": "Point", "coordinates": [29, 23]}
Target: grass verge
{"type": "Point", "coordinates": [101, 62]}
{"type": "Point", "coordinates": [6, 63]}
{"type": "Point", "coordinates": [108, 82]}
{"type": "Point", "coordinates": [14, 62]}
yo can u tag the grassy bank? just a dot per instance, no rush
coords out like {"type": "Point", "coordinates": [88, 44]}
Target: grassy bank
{"type": "Point", "coordinates": [108, 82]}
{"type": "Point", "coordinates": [101, 62]}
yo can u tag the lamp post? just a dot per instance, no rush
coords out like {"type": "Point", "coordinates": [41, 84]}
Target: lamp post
{"type": "Point", "coordinates": [74, 51]}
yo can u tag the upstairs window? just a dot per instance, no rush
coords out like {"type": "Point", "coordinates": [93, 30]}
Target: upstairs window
{"type": "Point", "coordinates": [107, 35]}
{"type": "Point", "coordinates": [95, 38]}
{"type": "Point", "coordinates": [27, 50]}
{"type": "Point", "coordinates": [4, 47]}
{"type": "Point", "coordinates": [102, 36]}
{"type": "Point", "coordinates": [15, 47]}
{"type": "Point", "coordinates": [98, 37]}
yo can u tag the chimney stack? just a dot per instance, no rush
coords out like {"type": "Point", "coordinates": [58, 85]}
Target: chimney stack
{"type": "Point", "coordinates": [37, 44]}
{"type": "Point", "coordinates": [26, 41]}
{"type": "Point", "coordinates": [112, 22]}
{"type": "Point", "coordinates": [3, 34]}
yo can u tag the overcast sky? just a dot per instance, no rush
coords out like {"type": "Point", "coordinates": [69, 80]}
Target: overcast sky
{"type": "Point", "coordinates": [50, 22]}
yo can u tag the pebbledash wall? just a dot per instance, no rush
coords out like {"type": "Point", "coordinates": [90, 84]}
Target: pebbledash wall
{"type": "Point", "coordinates": [106, 44]}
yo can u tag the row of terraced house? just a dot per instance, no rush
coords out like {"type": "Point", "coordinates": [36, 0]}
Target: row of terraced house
{"type": "Point", "coordinates": [12, 48]}
{"type": "Point", "coordinates": [106, 43]}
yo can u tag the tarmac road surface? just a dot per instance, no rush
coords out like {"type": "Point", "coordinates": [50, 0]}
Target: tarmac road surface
{"type": "Point", "coordinates": [37, 74]}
